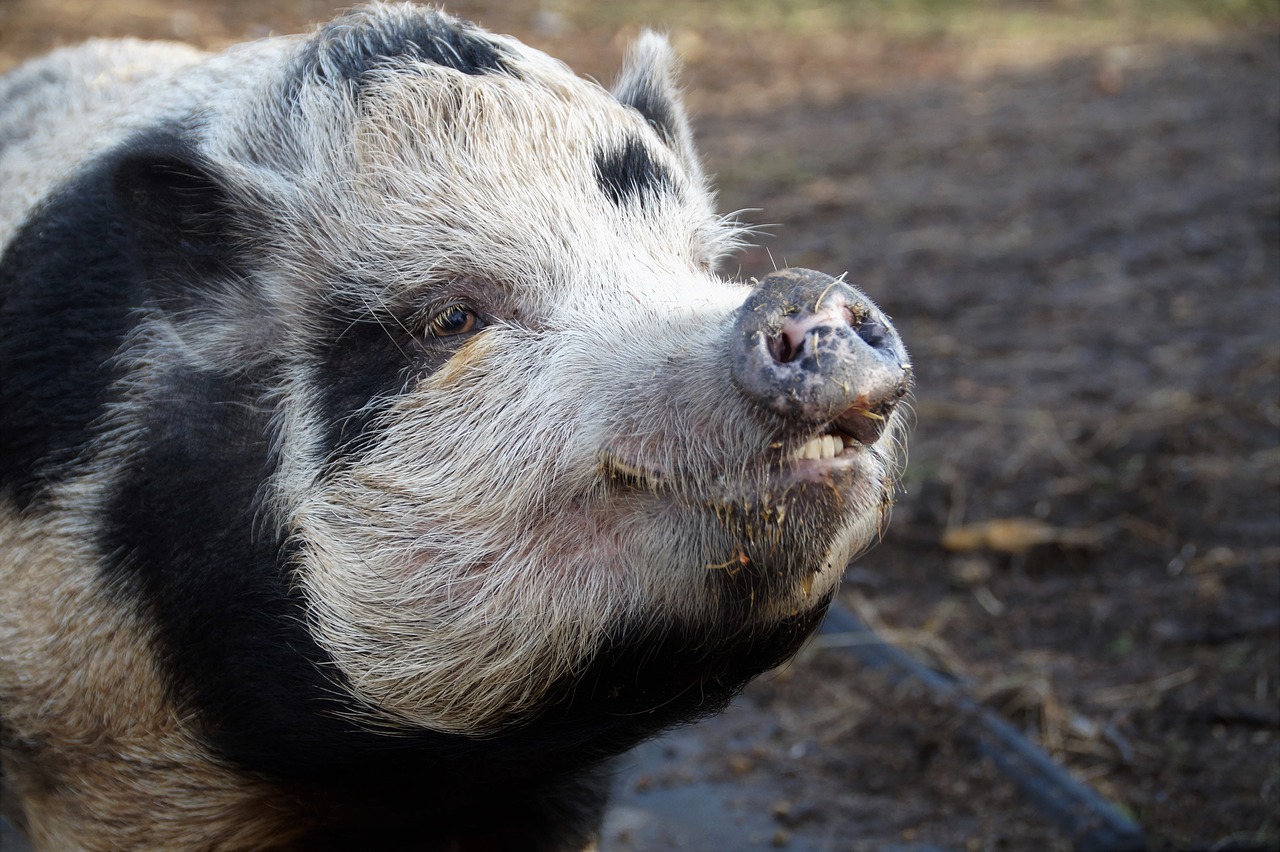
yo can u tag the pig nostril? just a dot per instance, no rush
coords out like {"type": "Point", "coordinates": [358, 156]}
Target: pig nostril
{"type": "Point", "coordinates": [872, 333]}
{"type": "Point", "coordinates": [781, 349]}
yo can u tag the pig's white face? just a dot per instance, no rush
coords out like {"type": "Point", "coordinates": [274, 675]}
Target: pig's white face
{"type": "Point", "coordinates": [557, 451]}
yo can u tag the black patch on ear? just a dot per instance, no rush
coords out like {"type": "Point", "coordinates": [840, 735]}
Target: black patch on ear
{"type": "Point", "coordinates": [181, 217]}
{"type": "Point", "coordinates": [140, 224]}
{"type": "Point", "coordinates": [346, 49]}
{"type": "Point", "coordinates": [68, 281]}
{"type": "Point", "coordinates": [656, 107]}
{"type": "Point", "coordinates": [629, 174]}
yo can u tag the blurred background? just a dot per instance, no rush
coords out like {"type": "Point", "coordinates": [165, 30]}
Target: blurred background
{"type": "Point", "coordinates": [1071, 208]}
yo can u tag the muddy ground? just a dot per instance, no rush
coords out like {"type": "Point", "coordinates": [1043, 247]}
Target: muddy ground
{"type": "Point", "coordinates": [1074, 219]}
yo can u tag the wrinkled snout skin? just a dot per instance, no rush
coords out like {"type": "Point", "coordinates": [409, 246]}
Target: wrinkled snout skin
{"type": "Point", "coordinates": [381, 452]}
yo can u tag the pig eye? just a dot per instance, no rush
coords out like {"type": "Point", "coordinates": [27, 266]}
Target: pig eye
{"type": "Point", "coordinates": [454, 320]}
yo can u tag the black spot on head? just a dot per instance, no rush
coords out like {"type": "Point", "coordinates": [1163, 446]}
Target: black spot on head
{"type": "Point", "coordinates": [143, 224]}
{"type": "Point", "coordinates": [365, 358]}
{"type": "Point", "coordinates": [347, 48]}
{"type": "Point", "coordinates": [363, 361]}
{"type": "Point", "coordinates": [628, 173]}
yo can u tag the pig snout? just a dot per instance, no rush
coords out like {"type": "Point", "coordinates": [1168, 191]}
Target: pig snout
{"type": "Point", "coordinates": [814, 350]}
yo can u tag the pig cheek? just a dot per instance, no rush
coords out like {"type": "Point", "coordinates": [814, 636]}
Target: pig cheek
{"type": "Point", "coordinates": [426, 637]}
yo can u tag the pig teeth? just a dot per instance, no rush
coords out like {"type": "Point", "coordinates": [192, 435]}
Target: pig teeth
{"type": "Point", "coordinates": [628, 470]}
{"type": "Point", "coordinates": [643, 476]}
{"type": "Point", "coordinates": [821, 447]}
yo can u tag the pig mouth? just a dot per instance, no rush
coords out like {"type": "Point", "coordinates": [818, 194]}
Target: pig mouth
{"type": "Point", "coordinates": [792, 459]}
{"type": "Point", "coordinates": [857, 427]}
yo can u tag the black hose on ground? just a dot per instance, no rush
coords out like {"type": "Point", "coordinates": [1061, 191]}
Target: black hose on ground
{"type": "Point", "coordinates": [1090, 821]}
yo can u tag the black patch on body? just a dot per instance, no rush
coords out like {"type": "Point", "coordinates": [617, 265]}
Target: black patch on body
{"type": "Point", "coordinates": [349, 47]}
{"type": "Point", "coordinates": [147, 230]}
{"type": "Point", "coordinates": [109, 241]}
{"type": "Point", "coordinates": [182, 218]}
{"type": "Point", "coordinates": [628, 173]}
{"type": "Point", "coordinates": [191, 544]}
{"type": "Point", "coordinates": [429, 788]}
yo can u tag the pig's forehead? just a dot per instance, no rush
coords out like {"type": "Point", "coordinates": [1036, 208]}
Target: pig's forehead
{"type": "Point", "coordinates": [424, 155]}
{"type": "Point", "coordinates": [565, 145]}
{"type": "Point", "coordinates": [505, 178]}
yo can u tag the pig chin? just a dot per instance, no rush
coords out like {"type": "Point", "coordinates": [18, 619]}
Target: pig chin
{"type": "Point", "coordinates": [774, 541]}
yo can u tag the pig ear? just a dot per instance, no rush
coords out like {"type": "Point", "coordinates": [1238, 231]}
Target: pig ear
{"type": "Point", "coordinates": [647, 83]}
{"type": "Point", "coordinates": [176, 209]}
{"type": "Point", "coordinates": [188, 243]}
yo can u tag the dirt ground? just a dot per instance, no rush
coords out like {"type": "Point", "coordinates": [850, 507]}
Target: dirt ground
{"type": "Point", "coordinates": [1074, 218]}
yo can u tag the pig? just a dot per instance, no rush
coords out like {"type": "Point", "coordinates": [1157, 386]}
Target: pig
{"type": "Point", "coordinates": [382, 451]}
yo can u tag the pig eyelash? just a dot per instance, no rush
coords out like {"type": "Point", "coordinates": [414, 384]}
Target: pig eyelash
{"type": "Point", "coordinates": [453, 321]}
